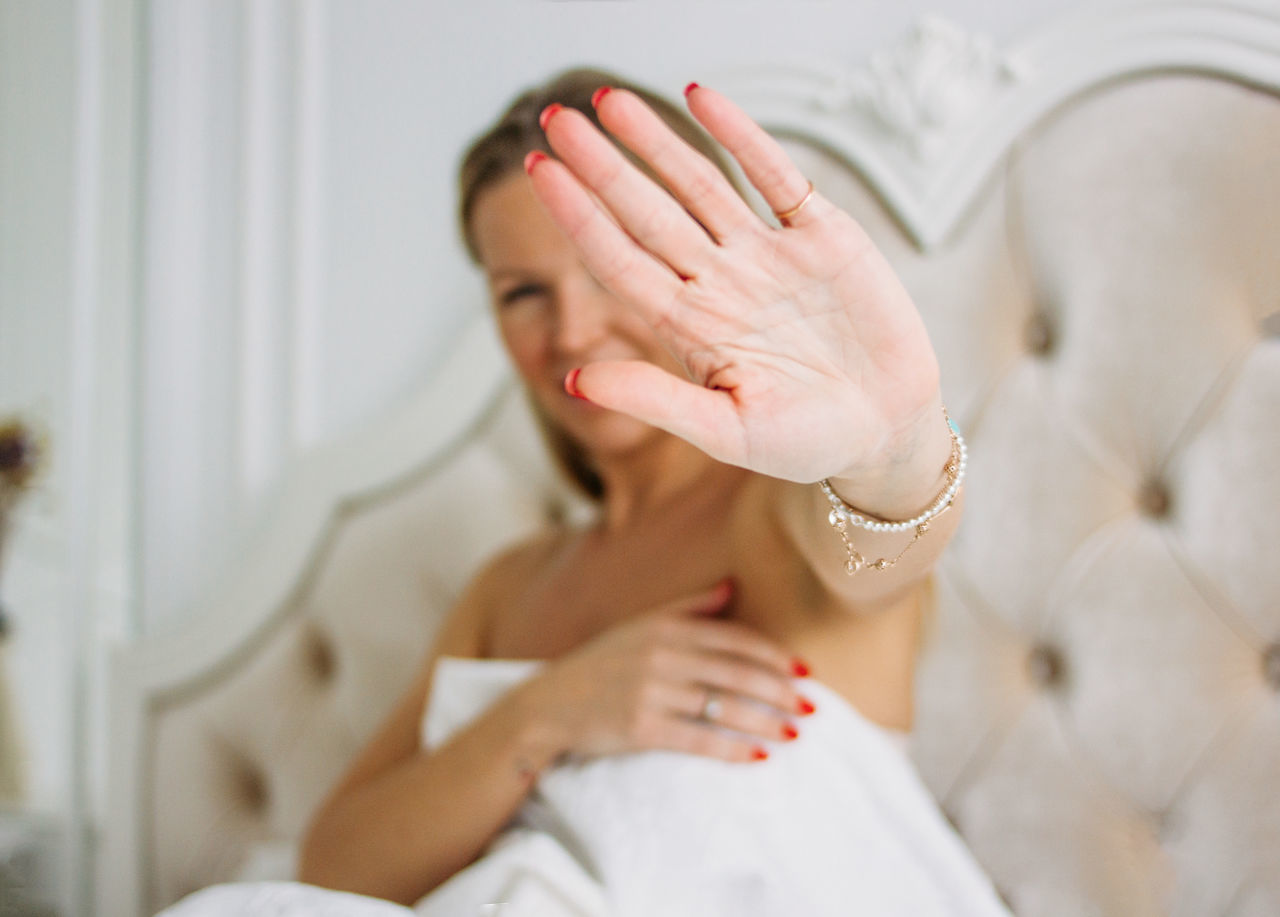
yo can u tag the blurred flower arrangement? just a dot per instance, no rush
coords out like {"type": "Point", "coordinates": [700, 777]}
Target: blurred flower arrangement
{"type": "Point", "coordinates": [20, 454]}
{"type": "Point", "coordinates": [21, 457]}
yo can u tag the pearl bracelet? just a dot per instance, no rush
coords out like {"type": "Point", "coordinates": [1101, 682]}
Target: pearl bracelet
{"type": "Point", "coordinates": [843, 516]}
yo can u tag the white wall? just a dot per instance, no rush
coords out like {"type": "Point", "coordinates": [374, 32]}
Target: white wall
{"type": "Point", "coordinates": [66, 346]}
{"type": "Point", "coordinates": [36, 155]}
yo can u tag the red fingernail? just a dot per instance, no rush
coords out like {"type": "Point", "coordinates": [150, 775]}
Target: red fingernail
{"type": "Point", "coordinates": [690, 88]}
{"type": "Point", "coordinates": [547, 113]}
{"type": "Point", "coordinates": [758, 754]}
{"type": "Point", "coordinates": [600, 94]}
{"type": "Point", "coordinates": [571, 384]}
{"type": "Point", "coordinates": [790, 732]}
{"type": "Point", "coordinates": [805, 706]}
{"type": "Point", "coordinates": [534, 157]}
{"type": "Point", "coordinates": [799, 669]}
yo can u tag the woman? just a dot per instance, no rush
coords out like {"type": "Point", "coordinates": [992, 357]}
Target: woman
{"type": "Point", "coordinates": [698, 371]}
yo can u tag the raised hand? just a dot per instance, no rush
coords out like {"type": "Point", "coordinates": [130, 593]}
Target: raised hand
{"type": "Point", "coordinates": [645, 683]}
{"type": "Point", "coordinates": [805, 357]}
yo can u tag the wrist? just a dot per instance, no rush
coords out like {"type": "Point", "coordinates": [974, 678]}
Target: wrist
{"type": "Point", "coordinates": [542, 738]}
{"type": "Point", "coordinates": [844, 517]}
{"type": "Point", "coordinates": [909, 480]}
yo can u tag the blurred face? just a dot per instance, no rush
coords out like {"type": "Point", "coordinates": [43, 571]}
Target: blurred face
{"type": "Point", "coordinates": [555, 317]}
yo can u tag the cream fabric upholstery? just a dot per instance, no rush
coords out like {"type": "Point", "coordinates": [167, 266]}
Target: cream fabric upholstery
{"type": "Point", "coordinates": [1098, 706]}
{"type": "Point", "coordinates": [245, 761]}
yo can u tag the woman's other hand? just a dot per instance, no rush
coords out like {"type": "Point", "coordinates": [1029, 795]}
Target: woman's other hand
{"type": "Point", "coordinates": [805, 356]}
{"type": "Point", "coordinates": [645, 683]}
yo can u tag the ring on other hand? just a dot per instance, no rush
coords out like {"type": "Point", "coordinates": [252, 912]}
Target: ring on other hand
{"type": "Point", "coordinates": [785, 215]}
{"type": "Point", "coordinates": [711, 707]}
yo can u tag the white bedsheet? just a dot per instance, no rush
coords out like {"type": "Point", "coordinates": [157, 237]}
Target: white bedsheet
{"type": "Point", "coordinates": [836, 822]}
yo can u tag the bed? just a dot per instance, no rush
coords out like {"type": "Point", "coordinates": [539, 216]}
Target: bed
{"type": "Point", "coordinates": [1090, 224]}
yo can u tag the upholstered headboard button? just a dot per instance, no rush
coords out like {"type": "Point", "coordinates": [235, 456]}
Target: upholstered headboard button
{"type": "Point", "coordinates": [321, 660]}
{"type": "Point", "coordinates": [1271, 665]}
{"type": "Point", "coordinates": [1170, 826]}
{"type": "Point", "coordinates": [1153, 499]}
{"type": "Point", "coordinates": [1039, 335]}
{"type": "Point", "coordinates": [1047, 668]}
{"type": "Point", "coordinates": [254, 794]}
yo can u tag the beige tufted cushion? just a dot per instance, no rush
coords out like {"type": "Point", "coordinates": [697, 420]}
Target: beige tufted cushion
{"type": "Point", "coordinates": [1099, 709]}
{"type": "Point", "coordinates": [245, 760]}
{"type": "Point", "coordinates": [1097, 713]}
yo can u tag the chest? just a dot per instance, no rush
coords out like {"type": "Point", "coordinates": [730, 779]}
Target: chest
{"type": "Point", "coordinates": [593, 582]}
{"type": "Point", "coordinates": [589, 583]}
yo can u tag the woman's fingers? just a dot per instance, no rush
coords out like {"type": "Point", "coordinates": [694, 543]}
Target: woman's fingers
{"type": "Point", "coordinates": [609, 253]}
{"type": "Point", "coordinates": [722, 709]}
{"type": "Point", "coordinates": [732, 639]}
{"type": "Point", "coordinates": [765, 163]}
{"type": "Point", "coordinates": [693, 738]}
{"type": "Point", "coordinates": [749, 675]}
{"type": "Point", "coordinates": [731, 675]}
{"type": "Point", "coordinates": [705, 417]}
{"type": "Point", "coordinates": [697, 684]}
{"type": "Point", "coordinates": [715, 715]}
{"type": "Point", "coordinates": [693, 178]}
{"type": "Point", "coordinates": [728, 638]}
{"type": "Point", "coordinates": [645, 211]}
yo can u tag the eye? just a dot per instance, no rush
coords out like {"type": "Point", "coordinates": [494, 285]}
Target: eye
{"type": "Point", "coordinates": [524, 291]}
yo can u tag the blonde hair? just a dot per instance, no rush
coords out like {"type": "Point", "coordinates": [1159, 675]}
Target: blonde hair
{"type": "Point", "coordinates": [500, 151]}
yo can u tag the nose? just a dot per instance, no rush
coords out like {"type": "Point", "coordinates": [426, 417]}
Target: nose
{"type": "Point", "coordinates": [583, 312]}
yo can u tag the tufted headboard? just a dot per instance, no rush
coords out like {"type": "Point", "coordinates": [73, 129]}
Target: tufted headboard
{"type": "Point", "coordinates": [1091, 227]}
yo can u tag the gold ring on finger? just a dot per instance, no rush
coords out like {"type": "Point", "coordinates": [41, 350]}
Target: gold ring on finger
{"type": "Point", "coordinates": [785, 215]}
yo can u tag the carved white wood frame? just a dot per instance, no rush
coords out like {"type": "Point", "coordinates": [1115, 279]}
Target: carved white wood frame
{"type": "Point", "coordinates": [926, 121]}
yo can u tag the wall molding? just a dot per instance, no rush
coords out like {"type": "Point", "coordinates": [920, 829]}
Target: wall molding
{"type": "Point", "coordinates": [927, 120]}
{"type": "Point", "coordinates": [267, 151]}
{"type": "Point", "coordinates": [232, 261]}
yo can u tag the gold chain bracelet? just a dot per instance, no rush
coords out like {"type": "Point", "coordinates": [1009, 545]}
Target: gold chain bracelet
{"type": "Point", "coordinates": [844, 517]}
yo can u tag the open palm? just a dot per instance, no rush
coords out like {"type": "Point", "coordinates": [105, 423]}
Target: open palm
{"type": "Point", "coordinates": [805, 357]}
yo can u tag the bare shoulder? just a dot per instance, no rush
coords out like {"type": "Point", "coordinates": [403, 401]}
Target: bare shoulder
{"type": "Point", "coordinates": [461, 633]}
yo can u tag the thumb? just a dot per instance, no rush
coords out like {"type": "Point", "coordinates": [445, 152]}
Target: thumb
{"type": "Point", "coordinates": [707, 418]}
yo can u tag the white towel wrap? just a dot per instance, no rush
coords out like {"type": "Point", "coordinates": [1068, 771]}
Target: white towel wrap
{"type": "Point", "coordinates": [836, 822]}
